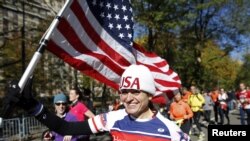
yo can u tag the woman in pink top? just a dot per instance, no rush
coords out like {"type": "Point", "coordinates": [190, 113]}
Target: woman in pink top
{"type": "Point", "coordinates": [77, 108]}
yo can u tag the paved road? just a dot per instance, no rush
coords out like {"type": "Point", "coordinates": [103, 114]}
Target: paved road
{"type": "Point", "coordinates": [234, 120]}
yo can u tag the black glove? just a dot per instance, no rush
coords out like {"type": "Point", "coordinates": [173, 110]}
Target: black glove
{"type": "Point", "coordinates": [11, 98]}
{"type": "Point", "coordinates": [27, 101]}
{"type": "Point", "coordinates": [24, 100]}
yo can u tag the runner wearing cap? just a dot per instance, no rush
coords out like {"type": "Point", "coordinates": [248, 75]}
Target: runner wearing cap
{"type": "Point", "coordinates": [138, 121]}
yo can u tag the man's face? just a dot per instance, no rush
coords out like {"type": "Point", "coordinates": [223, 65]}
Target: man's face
{"type": "Point", "coordinates": [222, 90]}
{"type": "Point", "coordinates": [242, 86]}
{"type": "Point", "coordinates": [135, 102]}
{"type": "Point", "coordinates": [193, 89]}
{"type": "Point", "coordinates": [60, 107]}
{"type": "Point", "coordinates": [177, 97]}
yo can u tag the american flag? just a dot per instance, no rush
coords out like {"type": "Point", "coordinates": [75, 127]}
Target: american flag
{"type": "Point", "coordinates": [96, 38]}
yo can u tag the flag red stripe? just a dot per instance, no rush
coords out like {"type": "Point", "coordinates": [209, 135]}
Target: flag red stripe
{"type": "Point", "coordinates": [79, 65]}
{"type": "Point", "coordinates": [176, 78]}
{"type": "Point", "coordinates": [76, 8]}
{"type": "Point", "coordinates": [161, 64]}
{"type": "Point", "coordinates": [155, 69]}
{"type": "Point", "coordinates": [169, 72]}
{"type": "Point", "coordinates": [65, 29]}
{"type": "Point", "coordinates": [148, 54]}
{"type": "Point", "coordinates": [167, 83]}
{"type": "Point", "coordinates": [93, 121]}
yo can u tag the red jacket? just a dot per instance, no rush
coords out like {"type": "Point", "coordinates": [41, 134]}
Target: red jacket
{"type": "Point", "coordinates": [244, 98]}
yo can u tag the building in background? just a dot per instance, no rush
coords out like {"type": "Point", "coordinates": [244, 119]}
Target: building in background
{"type": "Point", "coordinates": [35, 11]}
{"type": "Point", "coordinates": [13, 13]}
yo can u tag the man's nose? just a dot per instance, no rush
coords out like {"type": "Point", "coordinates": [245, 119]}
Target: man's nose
{"type": "Point", "coordinates": [129, 96]}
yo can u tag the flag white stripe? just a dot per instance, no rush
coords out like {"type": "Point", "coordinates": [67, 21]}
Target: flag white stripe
{"type": "Point", "coordinates": [164, 77]}
{"type": "Point", "coordinates": [90, 60]}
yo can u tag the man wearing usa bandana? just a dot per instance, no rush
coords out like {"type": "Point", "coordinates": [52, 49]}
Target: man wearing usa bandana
{"type": "Point", "coordinates": [138, 121]}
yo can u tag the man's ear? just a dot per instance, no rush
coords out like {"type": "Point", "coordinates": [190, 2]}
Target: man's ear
{"type": "Point", "coordinates": [150, 97]}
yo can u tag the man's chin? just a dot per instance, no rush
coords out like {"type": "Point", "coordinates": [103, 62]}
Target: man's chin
{"type": "Point", "coordinates": [61, 113]}
{"type": "Point", "coordinates": [131, 111]}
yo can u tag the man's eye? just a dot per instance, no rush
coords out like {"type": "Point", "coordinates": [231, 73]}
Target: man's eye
{"type": "Point", "coordinates": [134, 91]}
{"type": "Point", "coordinates": [130, 91]}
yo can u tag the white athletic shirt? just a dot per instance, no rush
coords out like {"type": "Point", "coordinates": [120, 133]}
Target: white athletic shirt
{"type": "Point", "coordinates": [123, 127]}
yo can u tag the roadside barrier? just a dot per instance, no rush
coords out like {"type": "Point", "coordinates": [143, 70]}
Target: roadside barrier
{"type": "Point", "coordinates": [19, 129]}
